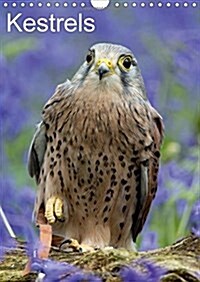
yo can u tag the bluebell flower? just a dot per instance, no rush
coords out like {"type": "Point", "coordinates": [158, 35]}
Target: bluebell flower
{"type": "Point", "coordinates": [61, 271]}
{"type": "Point", "coordinates": [7, 243]}
{"type": "Point", "coordinates": [181, 205]}
{"type": "Point", "coordinates": [79, 277]}
{"type": "Point", "coordinates": [14, 116]}
{"type": "Point", "coordinates": [149, 240]}
{"type": "Point", "coordinates": [53, 270]}
{"type": "Point", "coordinates": [152, 272]}
{"type": "Point", "coordinates": [17, 206]}
{"type": "Point", "coordinates": [195, 219]}
{"type": "Point", "coordinates": [163, 193]}
{"type": "Point", "coordinates": [130, 274]}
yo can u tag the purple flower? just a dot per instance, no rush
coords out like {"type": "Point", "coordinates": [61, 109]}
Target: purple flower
{"type": "Point", "coordinates": [149, 241]}
{"type": "Point", "coordinates": [61, 271]}
{"type": "Point", "coordinates": [152, 273]}
{"type": "Point", "coordinates": [53, 270]}
{"type": "Point", "coordinates": [181, 204]}
{"type": "Point", "coordinates": [12, 114]}
{"type": "Point", "coordinates": [177, 172]}
{"type": "Point", "coordinates": [163, 193]}
{"type": "Point", "coordinates": [79, 277]}
{"type": "Point", "coordinates": [130, 274]}
{"type": "Point", "coordinates": [195, 219]}
{"type": "Point", "coordinates": [17, 206]}
{"type": "Point", "coordinates": [6, 244]}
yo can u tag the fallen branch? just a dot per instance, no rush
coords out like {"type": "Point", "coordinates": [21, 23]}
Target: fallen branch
{"type": "Point", "coordinates": [181, 260]}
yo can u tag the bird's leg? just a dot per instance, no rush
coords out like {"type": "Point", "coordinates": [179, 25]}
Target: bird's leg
{"type": "Point", "coordinates": [72, 245]}
{"type": "Point", "coordinates": [54, 210]}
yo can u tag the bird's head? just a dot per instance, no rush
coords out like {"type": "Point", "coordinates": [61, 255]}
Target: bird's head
{"type": "Point", "coordinates": [110, 64]}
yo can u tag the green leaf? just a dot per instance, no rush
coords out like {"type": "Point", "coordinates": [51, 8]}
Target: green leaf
{"type": "Point", "coordinates": [13, 48]}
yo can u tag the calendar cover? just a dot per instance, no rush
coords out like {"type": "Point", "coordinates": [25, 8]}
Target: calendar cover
{"type": "Point", "coordinates": [99, 139]}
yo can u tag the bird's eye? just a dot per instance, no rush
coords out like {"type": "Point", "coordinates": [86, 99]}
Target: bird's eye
{"type": "Point", "coordinates": [125, 62]}
{"type": "Point", "coordinates": [90, 57]}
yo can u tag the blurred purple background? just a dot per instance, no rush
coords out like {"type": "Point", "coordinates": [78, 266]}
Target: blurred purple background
{"type": "Point", "coordinates": [166, 44]}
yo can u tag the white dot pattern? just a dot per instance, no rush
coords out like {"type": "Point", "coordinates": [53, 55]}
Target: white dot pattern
{"type": "Point", "coordinates": [122, 4]}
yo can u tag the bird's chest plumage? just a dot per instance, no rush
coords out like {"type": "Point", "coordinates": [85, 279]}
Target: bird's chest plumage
{"type": "Point", "coordinates": [93, 153]}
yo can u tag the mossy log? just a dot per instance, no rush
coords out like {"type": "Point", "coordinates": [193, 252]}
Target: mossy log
{"type": "Point", "coordinates": [182, 261]}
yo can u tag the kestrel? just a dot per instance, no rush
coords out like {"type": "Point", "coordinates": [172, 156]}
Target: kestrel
{"type": "Point", "coordinates": [95, 154]}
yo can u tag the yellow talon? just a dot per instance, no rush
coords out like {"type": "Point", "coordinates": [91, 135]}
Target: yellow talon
{"type": "Point", "coordinates": [58, 208]}
{"type": "Point", "coordinates": [53, 210]}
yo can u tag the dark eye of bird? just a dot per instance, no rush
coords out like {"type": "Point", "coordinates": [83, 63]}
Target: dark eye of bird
{"type": "Point", "coordinates": [89, 58]}
{"type": "Point", "coordinates": [127, 63]}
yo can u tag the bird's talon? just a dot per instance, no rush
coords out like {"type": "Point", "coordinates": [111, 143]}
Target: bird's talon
{"type": "Point", "coordinates": [54, 210]}
{"type": "Point", "coordinates": [72, 245]}
{"type": "Point", "coordinates": [68, 241]}
{"type": "Point", "coordinates": [58, 209]}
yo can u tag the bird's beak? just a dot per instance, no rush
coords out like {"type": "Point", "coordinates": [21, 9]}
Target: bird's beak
{"type": "Point", "coordinates": [104, 68]}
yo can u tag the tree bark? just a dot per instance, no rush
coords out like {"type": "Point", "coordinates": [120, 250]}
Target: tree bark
{"type": "Point", "coordinates": [182, 261]}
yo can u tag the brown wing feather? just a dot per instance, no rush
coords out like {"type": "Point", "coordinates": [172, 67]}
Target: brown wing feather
{"type": "Point", "coordinates": [38, 147]}
{"type": "Point", "coordinates": [153, 166]}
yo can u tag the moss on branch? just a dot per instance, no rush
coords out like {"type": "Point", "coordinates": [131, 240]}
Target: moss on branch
{"type": "Point", "coordinates": [182, 261]}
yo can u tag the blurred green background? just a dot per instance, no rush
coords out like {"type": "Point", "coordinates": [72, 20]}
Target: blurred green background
{"type": "Point", "coordinates": [166, 44]}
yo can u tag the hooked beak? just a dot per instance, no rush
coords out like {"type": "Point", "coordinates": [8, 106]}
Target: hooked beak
{"type": "Point", "coordinates": [104, 68]}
